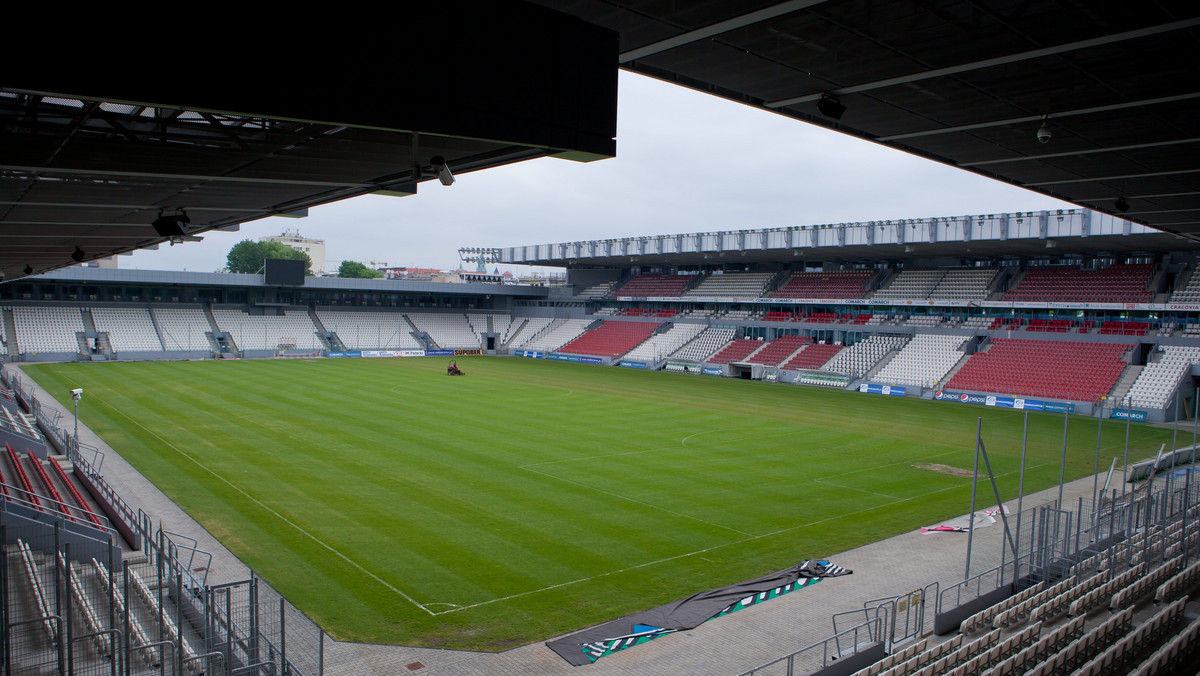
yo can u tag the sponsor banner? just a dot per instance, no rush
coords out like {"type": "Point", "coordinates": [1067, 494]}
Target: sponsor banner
{"type": "Point", "coordinates": [464, 353]}
{"type": "Point", "coordinates": [439, 353]}
{"type": "Point", "coordinates": [1126, 414]}
{"type": "Point", "coordinates": [633, 364]}
{"type": "Point", "coordinates": [713, 371]}
{"type": "Point", "coordinates": [576, 358]}
{"type": "Point", "coordinates": [531, 355]}
{"type": "Point", "coordinates": [893, 390]}
{"type": "Point", "coordinates": [410, 353]}
{"type": "Point", "coordinates": [1186, 307]}
{"type": "Point", "coordinates": [1004, 402]}
{"type": "Point", "coordinates": [338, 355]}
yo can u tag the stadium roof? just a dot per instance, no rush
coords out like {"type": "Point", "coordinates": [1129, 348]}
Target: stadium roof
{"type": "Point", "coordinates": [235, 117]}
{"type": "Point", "coordinates": [1064, 234]}
{"type": "Point", "coordinates": [967, 83]}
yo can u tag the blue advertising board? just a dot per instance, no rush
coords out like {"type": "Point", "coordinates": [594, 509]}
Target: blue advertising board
{"type": "Point", "coordinates": [633, 364]}
{"type": "Point", "coordinates": [343, 354]}
{"type": "Point", "coordinates": [576, 358]}
{"type": "Point", "coordinates": [1126, 414]}
{"type": "Point", "coordinates": [893, 390]}
{"type": "Point", "coordinates": [713, 371]}
{"type": "Point", "coordinates": [530, 354]}
{"type": "Point", "coordinates": [439, 353]}
{"type": "Point", "coordinates": [1004, 402]}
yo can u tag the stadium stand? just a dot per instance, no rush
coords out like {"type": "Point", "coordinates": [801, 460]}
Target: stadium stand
{"type": "Point", "coordinates": [556, 334]}
{"type": "Point", "coordinates": [610, 339]}
{"type": "Point", "coordinates": [1051, 325]}
{"type": "Point", "coordinates": [480, 322]}
{"type": "Point", "coordinates": [653, 286]}
{"type": "Point", "coordinates": [522, 330]}
{"type": "Point", "coordinates": [832, 284]}
{"type": "Point", "coordinates": [1043, 368]}
{"type": "Point", "coordinates": [862, 356]}
{"type": "Point", "coordinates": [369, 330]}
{"type": "Point", "coordinates": [706, 343]}
{"type": "Point", "coordinates": [1119, 283]}
{"type": "Point", "coordinates": [1156, 384]}
{"type": "Point", "coordinates": [813, 356]}
{"type": "Point", "coordinates": [736, 351]}
{"type": "Point", "coordinates": [128, 328]}
{"type": "Point", "coordinates": [777, 351]}
{"type": "Point", "coordinates": [597, 290]}
{"type": "Point", "coordinates": [48, 328]}
{"type": "Point", "coordinates": [660, 345]}
{"type": "Point", "coordinates": [258, 332]}
{"type": "Point", "coordinates": [910, 285]}
{"type": "Point", "coordinates": [923, 361]}
{"type": "Point", "coordinates": [732, 285]}
{"type": "Point", "coordinates": [964, 284]}
{"type": "Point", "coordinates": [448, 330]}
{"type": "Point", "coordinates": [665, 313]}
{"type": "Point", "coordinates": [1124, 328]}
{"type": "Point", "coordinates": [183, 328]}
{"type": "Point", "coordinates": [1187, 290]}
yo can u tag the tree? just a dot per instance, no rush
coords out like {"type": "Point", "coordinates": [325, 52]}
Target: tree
{"type": "Point", "coordinates": [248, 256]}
{"type": "Point", "coordinates": [357, 270]}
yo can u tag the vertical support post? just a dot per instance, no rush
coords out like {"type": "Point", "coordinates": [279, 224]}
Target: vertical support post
{"type": "Point", "coordinates": [62, 557]}
{"type": "Point", "coordinates": [321, 655]}
{"type": "Point", "coordinates": [58, 606]}
{"type": "Point", "coordinates": [125, 619]}
{"type": "Point", "coordinates": [1062, 462]}
{"type": "Point", "coordinates": [1020, 497]}
{"type": "Point", "coordinates": [974, 482]}
{"type": "Point", "coordinates": [1175, 427]}
{"type": "Point", "coordinates": [1125, 465]}
{"type": "Point", "coordinates": [283, 669]}
{"type": "Point", "coordinates": [1096, 476]}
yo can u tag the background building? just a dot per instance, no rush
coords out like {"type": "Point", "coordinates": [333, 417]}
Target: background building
{"type": "Point", "coordinates": [315, 248]}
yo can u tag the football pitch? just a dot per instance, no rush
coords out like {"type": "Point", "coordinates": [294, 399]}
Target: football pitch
{"type": "Point", "coordinates": [394, 504]}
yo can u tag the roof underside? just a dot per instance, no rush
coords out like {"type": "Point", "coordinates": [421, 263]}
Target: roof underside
{"type": "Point", "coordinates": [966, 83]}
{"type": "Point", "coordinates": [285, 119]}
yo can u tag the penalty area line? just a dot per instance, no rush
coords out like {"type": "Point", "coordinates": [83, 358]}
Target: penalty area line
{"type": "Point", "coordinates": [281, 517]}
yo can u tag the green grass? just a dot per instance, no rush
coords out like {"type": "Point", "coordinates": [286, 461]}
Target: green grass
{"type": "Point", "coordinates": [394, 504]}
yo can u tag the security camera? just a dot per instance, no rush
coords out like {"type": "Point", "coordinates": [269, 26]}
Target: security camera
{"type": "Point", "coordinates": [77, 394]}
{"type": "Point", "coordinates": [442, 170]}
{"type": "Point", "coordinates": [1044, 133]}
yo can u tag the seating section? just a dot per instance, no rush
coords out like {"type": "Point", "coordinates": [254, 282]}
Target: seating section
{"type": "Point", "coordinates": [1120, 283]}
{"type": "Point", "coordinates": [706, 343]}
{"type": "Point", "coordinates": [964, 284]}
{"type": "Point", "coordinates": [1051, 325]}
{"type": "Point", "coordinates": [1124, 328]}
{"type": "Point", "coordinates": [862, 356]}
{"type": "Point", "coordinates": [479, 323]}
{"type": "Point", "coordinates": [369, 330]}
{"type": "Point", "coordinates": [1188, 291]}
{"type": "Point", "coordinates": [736, 351]}
{"type": "Point", "coordinates": [259, 332]}
{"type": "Point", "coordinates": [610, 339]}
{"type": "Point", "coordinates": [1157, 382]}
{"type": "Point", "coordinates": [183, 328]}
{"type": "Point", "coordinates": [660, 345]}
{"type": "Point", "coordinates": [128, 328]}
{"type": "Point", "coordinates": [733, 285]}
{"type": "Point", "coordinates": [653, 286]}
{"type": "Point", "coordinates": [556, 334]}
{"type": "Point", "coordinates": [522, 330]}
{"type": "Point", "coordinates": [910, 285]}
{"type": "Point", "coordinates": [1043, 368]}
{"type": "Point", "coordinates": [813, 356]}
{"type": "Point", "coordinates": [826, 285]}
{"type": "Point", "coordinates": [48, 329]}
{"type": "Point", "coordinates": [665, 313]}
{"type": "Point", "coordinates": [778, 350]}
{"type": "Point", "coordinates": [924, 361]}
{"type": "Point", "coordinates": [448, 330]}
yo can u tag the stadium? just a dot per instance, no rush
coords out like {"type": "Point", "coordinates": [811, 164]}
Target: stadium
{"type": "Point", "coordinates": [971, 430]}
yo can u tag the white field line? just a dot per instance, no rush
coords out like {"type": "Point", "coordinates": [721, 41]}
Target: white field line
{"type": "Point", "coordinates": [281, 517]}
{"type": "Point", "coordinates": [708, 549]}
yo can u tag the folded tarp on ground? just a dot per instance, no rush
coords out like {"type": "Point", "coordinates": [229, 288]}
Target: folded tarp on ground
{"type": "Point", "coordinates": [590, 645]}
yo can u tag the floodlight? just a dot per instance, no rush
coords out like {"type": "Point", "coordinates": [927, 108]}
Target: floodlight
{"type": "Point", "coordinates": [442, 170]}
{"type": "Point", "coordinates": [172, 225]}
{"type": "Point", "coordinates": [78, 255]}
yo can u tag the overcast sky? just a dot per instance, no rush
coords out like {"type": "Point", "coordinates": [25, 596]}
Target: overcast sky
{"type": "Point", "coordinates": [686, 162]}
